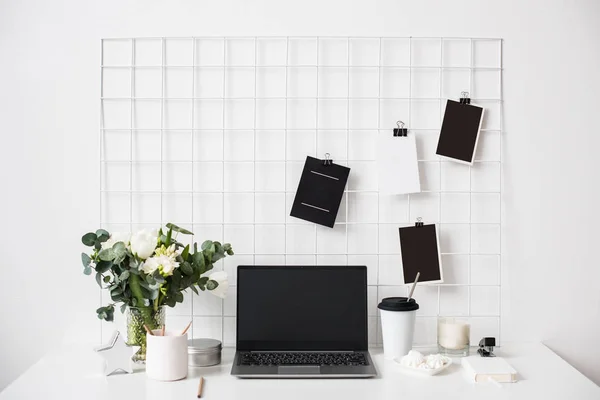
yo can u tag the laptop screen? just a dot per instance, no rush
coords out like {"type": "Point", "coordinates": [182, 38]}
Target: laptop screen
{"type": "Point", "coordinates": [302, 308]}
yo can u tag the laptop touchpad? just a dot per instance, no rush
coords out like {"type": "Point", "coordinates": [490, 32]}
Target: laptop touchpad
{"type": "Point", "coordinates": [298, 369]}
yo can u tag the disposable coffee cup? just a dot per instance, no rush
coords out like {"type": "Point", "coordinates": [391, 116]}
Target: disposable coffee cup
{"type": "Point", "coordinates": [397, 325]}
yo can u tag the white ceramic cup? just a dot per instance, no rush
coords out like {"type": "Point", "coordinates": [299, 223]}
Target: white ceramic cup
{"type": "Point", "coordinates": [397, 326]}
{"type": "Point", "coordinates": [166, 356]}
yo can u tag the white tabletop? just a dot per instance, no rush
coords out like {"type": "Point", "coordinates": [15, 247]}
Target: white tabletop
{"type": "Point", "coordinates": [69, 374]}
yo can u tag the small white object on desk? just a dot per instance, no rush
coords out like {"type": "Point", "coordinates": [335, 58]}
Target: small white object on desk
{"type": "Point", "coordinates": [486, 369]}
{"type": "Point", "coordinates": [430, 365]}
{"type": "Point", "coordinates": [117, 355]}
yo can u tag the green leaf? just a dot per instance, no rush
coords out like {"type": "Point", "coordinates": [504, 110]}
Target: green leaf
{"type": "Point", "coordinates": [184, 253]}
{"type": "Point", "coordinates": [106, 279]}
{"type": "Point", "coordinates": [106, 255]}
{"type": "Point", "coordinates": [85, 259]}
{"type": "Point", "coordinates": [162, 239]}
{"type": "Point", "coordinates": [120, 252]}
{"type": "Point", "coordinates": [168, 240]}
{"type": "Point", "coordinates": [87, 270]}
{"type": "Point", "coordinates": [194, 289]}
{"type": "Point", "coordinates": [89, 239]}
{"type": "Point", "coordinates": [102, 236]}
{"type": "Point", "coordinates": [123, 308]}
{"type": "Point", "coordinates": [178, 229]}
{"type": "Point", "coordinates": [179, 297]}
{"type": "Point", "coordinates": [133, 302]}
{"type": "Point", "coordinates": [99, 280]}
{"type": "Point", "coordinates": [103, 266]}
{"type": "Point", "coordinates": [102, 232]}
{"type": "Point", "coordinates": [198, 260]}
{"type": "Point", "coordinates": [211, 285]}
{"type": "Point", "coordinates": [186, 268]}
{"type": "Point", "coordinates": [208, 245]}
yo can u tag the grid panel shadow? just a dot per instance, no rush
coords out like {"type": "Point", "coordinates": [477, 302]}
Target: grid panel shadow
{"type": "Point", "coordinates": [212, 133]}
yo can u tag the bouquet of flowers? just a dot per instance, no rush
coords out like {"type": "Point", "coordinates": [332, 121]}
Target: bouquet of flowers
{"type": "Point", "coordinates": [148, 270]}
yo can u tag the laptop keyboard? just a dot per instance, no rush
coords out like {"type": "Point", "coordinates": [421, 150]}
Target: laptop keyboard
{"type": "Point", "coordinates": [303, 358]}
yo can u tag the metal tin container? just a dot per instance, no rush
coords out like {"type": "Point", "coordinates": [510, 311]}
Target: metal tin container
{"type": "Point", "coordinates": [204, 352]}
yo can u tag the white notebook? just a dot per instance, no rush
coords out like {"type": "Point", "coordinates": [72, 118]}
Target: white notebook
{"type": "Point", "coordinates": [397, 164]}
{"type": "Point", "coordinates": [485, 369]}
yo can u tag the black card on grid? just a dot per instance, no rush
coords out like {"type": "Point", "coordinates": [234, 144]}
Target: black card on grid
{"type": "Point", "coordinates": [460, 131]}
{"type": "Point", "coordinates": [420, 253]}
{"type": "Point", "coordinates": [320, 192]}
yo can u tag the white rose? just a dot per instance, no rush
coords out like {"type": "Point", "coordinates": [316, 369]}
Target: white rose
{"type": "Point", "coordinates": [116, 237]}
{"type": "Point", "coordinates": [165, 264]}
{"type": "Point", "coordinates": [143, 243]}
{"type": "Point", "coordinates": [221, 278]}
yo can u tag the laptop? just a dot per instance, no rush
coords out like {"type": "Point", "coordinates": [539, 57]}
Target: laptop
{"type": "Point", "coordinates": [302, 322]}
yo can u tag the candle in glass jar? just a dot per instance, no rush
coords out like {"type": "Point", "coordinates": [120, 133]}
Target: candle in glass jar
{"type": "Point", "coordinates": [453, 334]}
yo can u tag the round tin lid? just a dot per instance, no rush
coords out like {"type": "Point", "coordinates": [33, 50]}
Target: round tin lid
{"type": "Point", "coordinates": [196, 346]}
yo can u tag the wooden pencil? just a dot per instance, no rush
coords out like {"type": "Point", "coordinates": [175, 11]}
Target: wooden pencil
{"type": "Point", "coordinates": [148, 330]}
{"type": "Point", "coordinates": [200, 385]}
{"type": "Point", "coordinates": [186, 328]}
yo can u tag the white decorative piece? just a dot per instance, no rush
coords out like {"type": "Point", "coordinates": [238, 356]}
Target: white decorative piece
{"type": "Point", "coordinates": [430, 365]}
{"type": "Point", "coordinates": [167, 356]}
{"type": "Point", "coordinates": [117, 355]}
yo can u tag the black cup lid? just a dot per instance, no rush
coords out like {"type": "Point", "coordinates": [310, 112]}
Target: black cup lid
{"type": "Point", "coordinates": [398, 304]}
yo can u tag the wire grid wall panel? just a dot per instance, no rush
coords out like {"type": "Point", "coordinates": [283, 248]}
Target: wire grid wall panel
{"type": "Point", "coordinates": [212, 133]}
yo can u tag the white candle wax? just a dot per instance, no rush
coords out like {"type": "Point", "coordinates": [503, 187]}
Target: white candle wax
{"type": "Point", "coordinates": [453, 335]}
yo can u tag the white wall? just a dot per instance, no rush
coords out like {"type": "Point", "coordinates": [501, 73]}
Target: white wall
{"type": "Point", "coordinates": [49, 80]}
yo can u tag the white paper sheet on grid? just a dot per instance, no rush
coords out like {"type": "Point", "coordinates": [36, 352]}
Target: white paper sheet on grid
{"type": "Point", "coordinates": [397, 164]}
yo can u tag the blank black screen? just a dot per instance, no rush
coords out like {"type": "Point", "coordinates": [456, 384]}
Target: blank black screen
{"type": "Point", "coordinates": [459, 132]}
{"type": "Point", "coordinates": [302, 308]}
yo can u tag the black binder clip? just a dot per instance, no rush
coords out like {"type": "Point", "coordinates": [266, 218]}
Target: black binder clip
{"type": "Point", "coordinates": [486, 347]}
{"type": "Point", "coordinates": [327, 161]}
{"type": "Point", "coordinates": [419, 222]}
{"type": "Point", "coordinates": [464, 98]}
{"type": "Point", "coordinates": [400, 130]}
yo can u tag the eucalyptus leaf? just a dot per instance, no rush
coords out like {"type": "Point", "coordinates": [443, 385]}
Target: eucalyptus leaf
{"type": "Point", "coordinates": [178, 229]}
{"type": "Point", "coordinates": [211, 285]}
{"type": "Point", "coordinates": [198, 260]}
{"type": "Point", "coordinates": [99, 280]}
{"type": "Point", "coordinates": [103, 266]}
{"type": "Point", "coordinates": [194, 289]}
{"type": "Point", "coordinates": [87, 270]}
{"type": "Point", "coordinates": [186, 268]}
{"type": "Point", "coordinates": [123, 308]}
{"type": "Point", "coordinates": [207, 244]}
{"type": "Point", "coordinates": [102, 232]}
{"type": "Point", "coordinates": [85, 259]}
{"type": "Point", "coordinates": [106, 254]}
{"type": "Point", "coordinates": [106, 279]}
{"type": "Point", "coordinates": [89, 239]}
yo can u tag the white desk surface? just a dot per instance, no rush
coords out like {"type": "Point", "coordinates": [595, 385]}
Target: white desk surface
{"type": "Point", "coordinates": [66, 375]}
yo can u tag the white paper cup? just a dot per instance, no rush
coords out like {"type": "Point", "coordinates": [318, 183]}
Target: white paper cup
{"type": "Point", "coordinates": [397, 325]}
{"type": "Point", "coordinates": [166, 356]}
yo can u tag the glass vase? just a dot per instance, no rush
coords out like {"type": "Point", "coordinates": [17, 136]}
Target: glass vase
{"type": "Point", "coordinates": [137, 317]}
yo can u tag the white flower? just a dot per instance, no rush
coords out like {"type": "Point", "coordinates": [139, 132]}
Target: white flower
{"type": "Point", "coordinates": [116, 237]}
{"type": "Point", "coordinates": [143, 243]}
{"type": "Point", "coordinates": [165, 264]}
{"type": "Point", "coordinates": [221, 278]}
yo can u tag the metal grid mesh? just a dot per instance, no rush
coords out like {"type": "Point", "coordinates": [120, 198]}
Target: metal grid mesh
{"type": "Point", "coordinates": [211, 133]}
